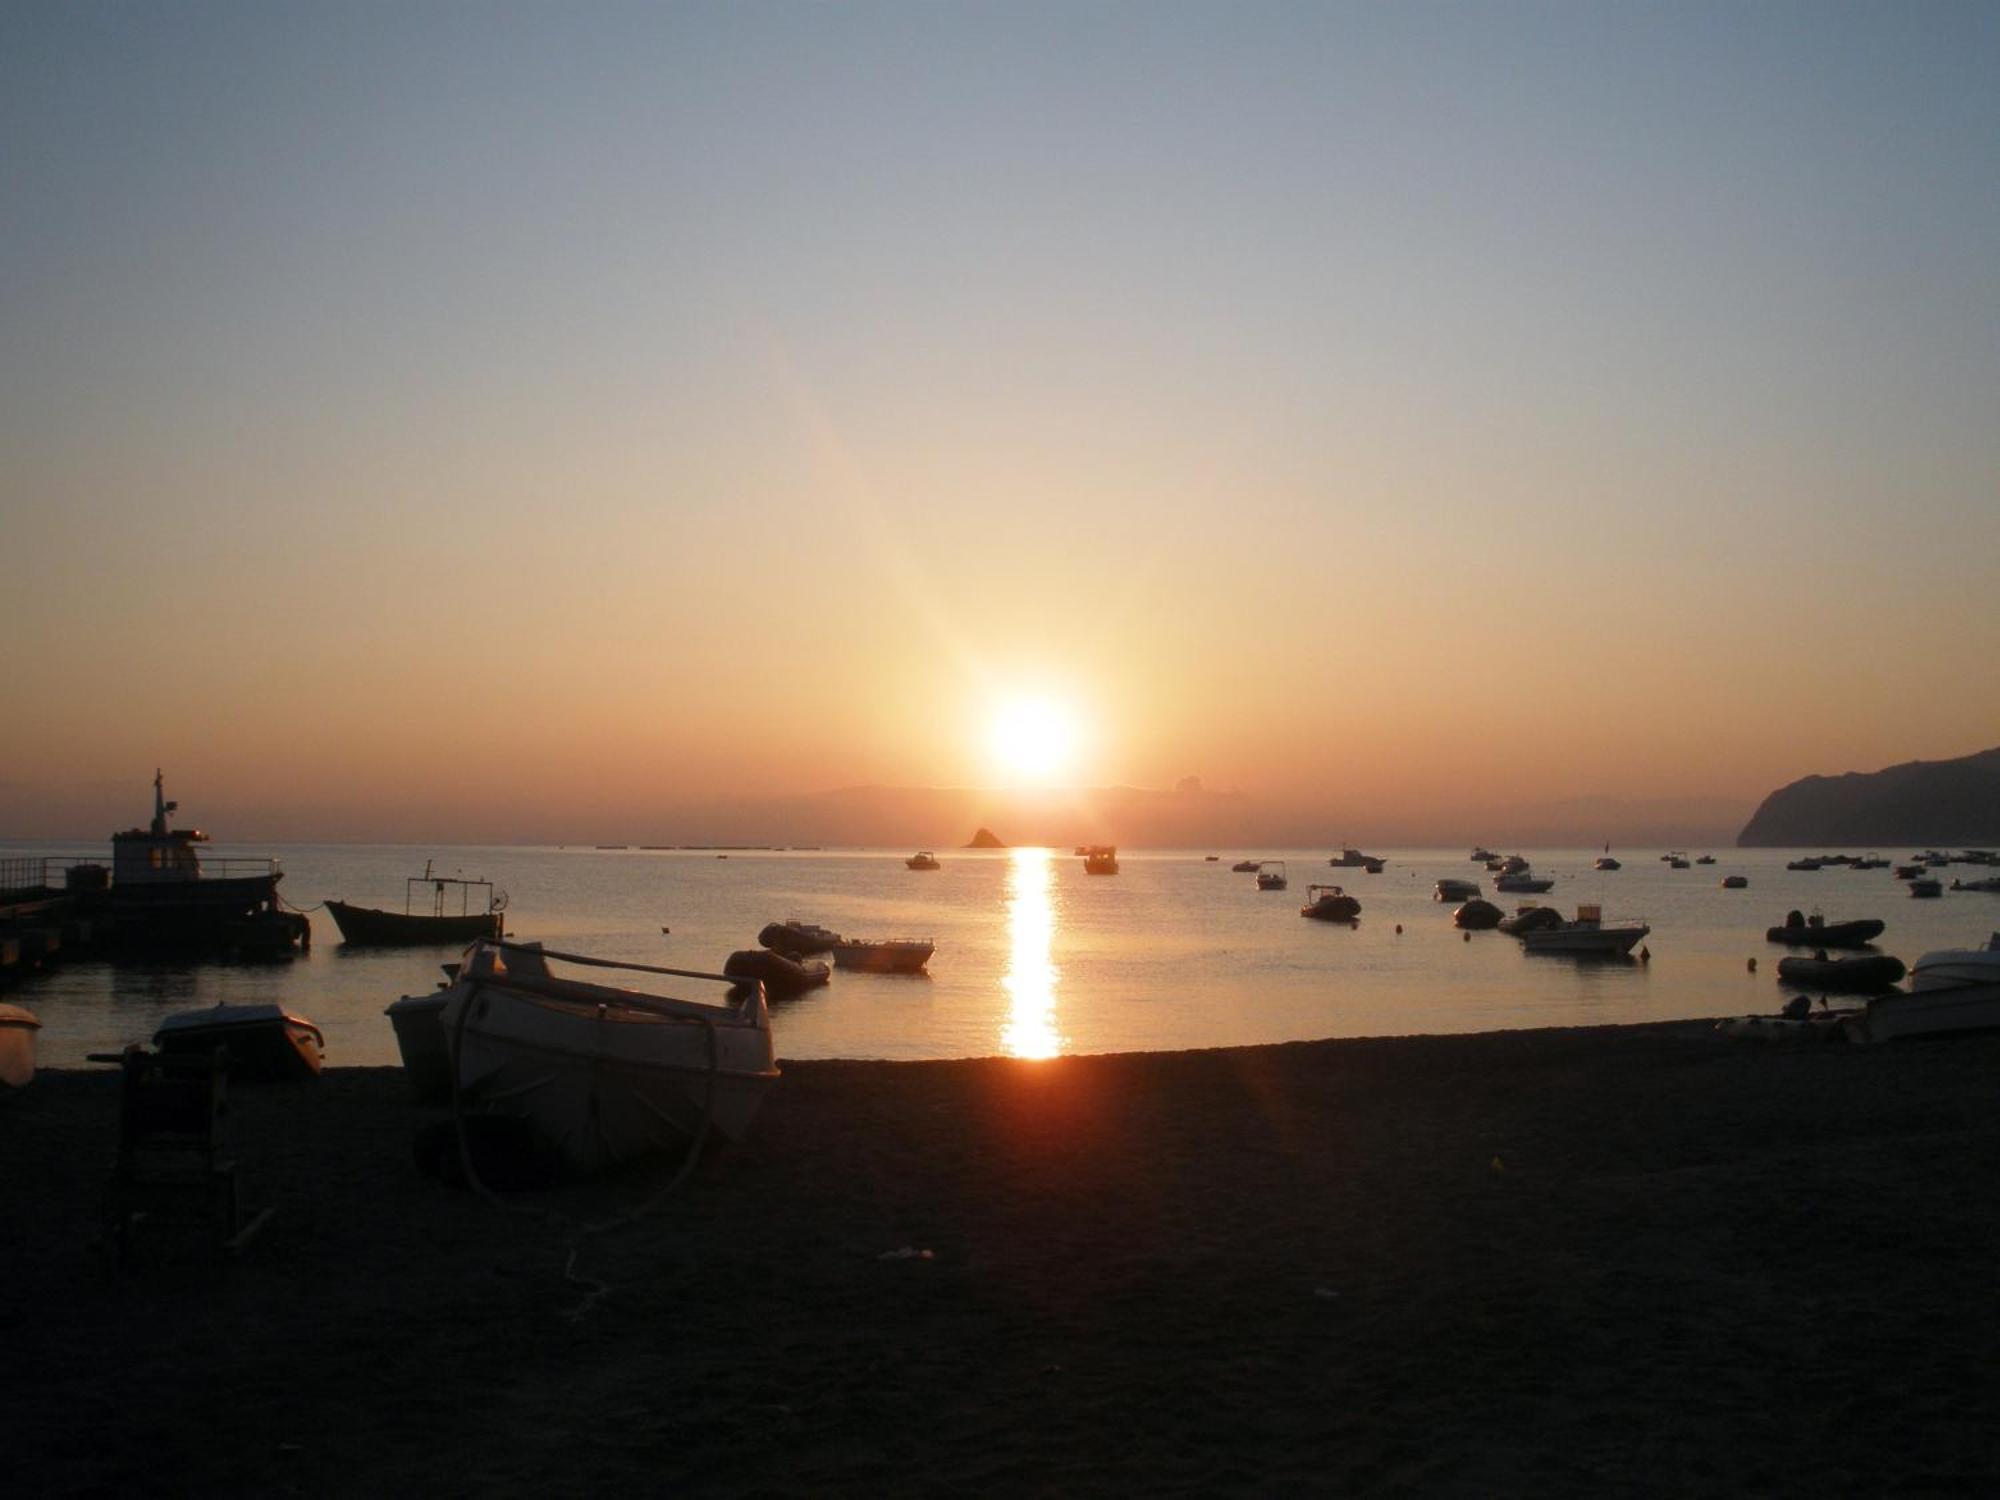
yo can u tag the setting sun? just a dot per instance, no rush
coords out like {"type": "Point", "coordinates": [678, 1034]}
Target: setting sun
{"type": "Point", "coordinates": [1033, 739]}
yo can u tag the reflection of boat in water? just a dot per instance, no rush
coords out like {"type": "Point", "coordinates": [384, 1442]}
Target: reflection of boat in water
{"type": "Point", "coordinates": [265, 1043]}
{"type": "Point", "coordinates": [796, 938]}
{"type": "Point", "coordinates": [1455, 890]}
{"type": "Point", "coordinates": [1271, 875]}
{"type": "Point", "coordinates": [604, 1074]}
{"type": "Point", "coordinates": [884, 955]}
{"type": "Point", "coordinates": [923, 859]}
{"type": "Point", "coordinates": [1329, 903]}
{"type": "Point", "coordinates": [1588, 936]}
{"type": "Point", "coordinates": [17, 1045]}
{"type": "Point", "coordinates": [1100, 859]}
{"type": "Point", "coordinates": [364, 926]}
{"type": "Point", "coordinates": [1816, 932]}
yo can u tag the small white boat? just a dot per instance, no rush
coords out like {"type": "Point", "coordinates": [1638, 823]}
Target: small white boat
{"type": "Point", "coordinates": [1952, 990]}
{"type": "Point", "coordinates": [17, 1045]}
{"type": "Point", "coordinates": [1329, 903]}
{"type": "Point", "coordinates": [1523, 881]}
{"type": "Point", "coordinates": [1589, 936]}
{"type": "Point", "coordinates": [605, 1074]}
{"type": "Point", "coordinates": [1271, 875]}
{"type": "Point", "coordinates": [264, 1042]}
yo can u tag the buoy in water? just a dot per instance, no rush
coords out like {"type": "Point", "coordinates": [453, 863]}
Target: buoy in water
{"type": "Point", "coordinates": [1399, 929]}
{"type": "Point", "coordinates": [1467, 936]}
{"type": "Point", "coordinates": [1645, 954]}
{"type": "Point", "coordinates": [1753, 966]}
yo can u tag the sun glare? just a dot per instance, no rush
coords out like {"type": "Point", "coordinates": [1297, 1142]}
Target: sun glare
{"type": "Point", "coordinates": [1033, 738]}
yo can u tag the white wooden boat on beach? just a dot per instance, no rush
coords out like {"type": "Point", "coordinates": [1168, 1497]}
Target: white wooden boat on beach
{"type": "Point", "coordinates": [605, 1074]}
{"type": "Point", "coordinates": [17, 1045]}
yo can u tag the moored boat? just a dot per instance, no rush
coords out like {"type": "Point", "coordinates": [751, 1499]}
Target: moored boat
{"type": "Point", "coordinates": [1816, 932]}
{"type": "Point", "coordinates": [265, 1043]}
{"type": "Point", "coordinates": [1949, 967]}
{"type": "Point", "coordinates": [368, 927]}
{"type": "Point", "coordinates": [1606, 862]}
{"type": "Point", "coordinates": [1735, 882]}
{"type": "Point", "coordinates": [1929, 887]}
{"type": "Point", "coordinates": [796, 938]}
{"type": "Point", "coordinates": [1271, 875]}
{"type": "Point", "coordinates": [1530, 918]}
{"type": "Point", "coordinates": [1244, 867]}
{"type": "Point", "coordinates": [1100, 859]}
{"type": "Point", "coordinates": [1477, 916]}
{"type": "Point", "coordinates": [1329, 903]}
{"type": "Point", "coordinates": [923, 859]}
{"type": "Point", "coordinates": [1523, 882]}
{"type": "Point", "coordinates": [1866, 974]}
{"type": "Point", "coordinates": [1589, 936]}
{"type": "Point", "coordinates": [780, 976]}
{"type": "Point", "coordinates": [1354, 859]}
{"type": "Point", "coordinates": [1455, 890]}
{"type": "Point", "coordinates": [884, 955]}
{"type": "Point", "coordinates": [605, 1074]}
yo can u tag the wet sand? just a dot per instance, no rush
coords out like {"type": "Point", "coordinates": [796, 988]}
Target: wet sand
{"type": "Point", "coordinates": [1626, 1260]}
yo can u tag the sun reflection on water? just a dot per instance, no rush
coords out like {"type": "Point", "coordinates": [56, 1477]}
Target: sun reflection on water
{"type": "Point", "coordinates": [1031, 972]}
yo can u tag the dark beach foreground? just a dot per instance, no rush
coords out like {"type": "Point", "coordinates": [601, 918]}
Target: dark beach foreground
{"type": "Point", "coordinates": [1630, 1260]}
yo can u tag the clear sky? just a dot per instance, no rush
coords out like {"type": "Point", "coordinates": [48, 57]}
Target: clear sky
{"type": "Point", "coordinates": [459, 406]}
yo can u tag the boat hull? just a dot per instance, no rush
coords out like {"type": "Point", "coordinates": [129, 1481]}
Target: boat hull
{"type": "Point", "coordinates": [884, 958]}
{"type": "Point", "coordinates": [418, 1021]}
{"type": "Point", "coordinates": [1584, 942]}
{"type": "Point", "coordinates": [1954, 1010]}
{"type": "Point", "coordinates": [1829, 935]}
{"type": "Point", "coordinates": [265, 1043]}
{"type": "Point", "coordinates": [604, 1075]}
{"type": "Point", "coordinates": [365, 927]}
{"type": "Point", "coordinates": [17, 1046]}
{"type": "Point", "coordinates": [1841, 976]}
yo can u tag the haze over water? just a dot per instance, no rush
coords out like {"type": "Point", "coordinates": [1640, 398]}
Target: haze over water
{"type": "Point", "coordinates": [1035, 957]}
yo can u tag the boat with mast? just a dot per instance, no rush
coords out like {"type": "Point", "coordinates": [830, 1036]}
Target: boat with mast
{"type": "Point", "coordinates": [478, 916]}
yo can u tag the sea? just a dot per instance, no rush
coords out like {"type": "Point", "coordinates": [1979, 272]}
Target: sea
{"type": "Point", "coordinates": [1034, 957]}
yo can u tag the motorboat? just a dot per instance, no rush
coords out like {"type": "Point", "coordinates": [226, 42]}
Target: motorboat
{"type": "Point", "coordinates": [1589, 936]}
{"type": "Point", "coordinates": [1805, 864]}
{"type": "Point", "coordinates": [1530, 918]}
{"type": "Point", "coordinates": [923, 859]}
{"type": "Point", "coordinates": [1954, 990]}
{"type": "Point", "coordinates": [1735, 882]}
{"type": "Point", "coordinates": [604, 1074]}
{"type": "Point", "coordinates": [1677, 862]}
{"type": "Point", "coordinates": [1705, 859]}
{"type": "Point", "coordinates": [1244, 867]}
{"type": "Point", "coordinates": [1523, 881]}
{"type": "Point", "coordinates": [265, 1043]}
{"type": "Point", "coordinates": [884, 955]}
{"type": "Point", "coordinates": [1606, 862]}
{"type": "Point", "coordinates": [1816, 932]}
{"type": "Point", "coordinates": [1373, 867]}
{"type": "Point", "coordinates": [1950, 967]}
{"type": "Point", "coordinates": [1271, 875]}
{"type": "Point", "coordinates": [1990, 886]}
{"type": "Point", "coordinates": [1513, 864]}
{"type": "Point", "coordinates": [1455, 890]}
{"type": "Point", "coordinates": [796, 938]}
{"type": "Point", "coordinates": [478, 915]}
{"type": "Point", "coordinates": [1927, 888]}
{"type": "Point", "coordinates": [1481, 854]}
{"type": "Point", "coordinates": [1100, 859]}
{"type": "Point", "coordinates": [17, 1045]}
{"type": "Point", "coordinates": [1477, 916]}
{"type": "Point", "coordinates": [1329, 903]}
{"type": "Point", "coordinates": [780, 976]}
{"type": "Point", "coordinates": [1863, 975]}
{"type": "Point", "coordinates": [1354, 859]}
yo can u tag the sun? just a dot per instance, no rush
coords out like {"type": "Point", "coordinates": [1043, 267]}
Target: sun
{"type": "Point", "coordinates": [1033, 739]}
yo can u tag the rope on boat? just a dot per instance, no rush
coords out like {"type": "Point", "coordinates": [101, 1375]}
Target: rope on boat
{"type": "Point", "coordinates": [580, 1229]}
{"type": "Point", "coordinates": [301, 910]}
{"type": "Point", "coordinates": [609, 963]}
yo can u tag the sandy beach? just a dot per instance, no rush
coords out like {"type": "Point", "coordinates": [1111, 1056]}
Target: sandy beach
{"type": "Point", "coordinates": [1629, 1260]}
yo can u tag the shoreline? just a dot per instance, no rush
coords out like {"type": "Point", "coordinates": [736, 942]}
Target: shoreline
{"type": "Point", "coordinates": [1561, 1259]}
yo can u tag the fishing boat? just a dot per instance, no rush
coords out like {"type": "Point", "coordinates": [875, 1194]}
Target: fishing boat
{"type": "Point", "coordinates": [780, 976]}
{"type": "Point", "coordinates": [923, 859]}
{"type": "Point", "coordinates": [1816, 932]}
{"type": "Point", "coordinates": [1589, 936]}
{"type": "Point", "coordinates": [1455, 890]}
{"type": "Point", "coordinates": [605, 1074]}
{"type": "Point", "coordinates": [265, 1043]}
{"type": "Point", "coordinates": [17, 1045]}
{"type": "Point", "coordinates": [1329, 903]}
{"type": "Point", "coordinates": [1271, 875]}
{"type": "Point", "coordinates": [162, 896]}
{"type": "Point", "coordinates": [1100, 859]}
{"type": "Point", "coordinates": [1523, 881]}
{"type": "Point", "coordinates": [884, 955]}
{"type": "Point", "coordinates": [797, 938]}
{"type": "Point", "coordinates": [478, 916]}
{"type": "Point", "coordinates": [1865, 974]}
{"type": "Point", "coordinates": [1354, 859]}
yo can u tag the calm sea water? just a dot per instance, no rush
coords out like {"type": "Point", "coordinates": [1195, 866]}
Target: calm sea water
{"type": "Point", "coordinates": [1035, 957]}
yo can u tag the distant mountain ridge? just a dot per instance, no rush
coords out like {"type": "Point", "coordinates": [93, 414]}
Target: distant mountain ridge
{"type": "Point", "coordinates": [1930, 803]}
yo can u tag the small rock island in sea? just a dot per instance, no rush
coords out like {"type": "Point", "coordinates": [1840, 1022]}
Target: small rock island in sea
{"type": "Point", "coordinates": [984, 839]}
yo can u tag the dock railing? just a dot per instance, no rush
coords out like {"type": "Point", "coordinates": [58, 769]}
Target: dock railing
{"type": "Point", "coordinates": [27, 874]}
